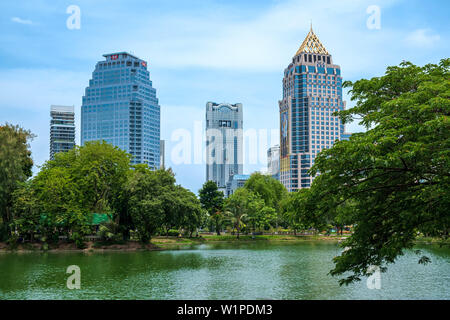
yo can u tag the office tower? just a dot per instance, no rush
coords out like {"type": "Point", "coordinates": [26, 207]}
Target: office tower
{"type": "Point", "coordinates": [273, 162]}
{"type": "Point", "coordinates": [120, 107]}
{"type": "Point", "coordinates": [62, 129]}
{"type": "Point", "coordinates": [312, 91]}
{"type": "Point", "coordinates": [162, 153]}
{"type": "Point", "coordinates": [224, 139]}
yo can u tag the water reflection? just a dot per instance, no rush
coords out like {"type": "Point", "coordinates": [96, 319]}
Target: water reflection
{"type": "Point", "coordinates": [255, 270]}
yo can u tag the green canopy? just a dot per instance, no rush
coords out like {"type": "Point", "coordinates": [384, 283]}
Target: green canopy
{"type": "Point", "coordinates": [97, 218]}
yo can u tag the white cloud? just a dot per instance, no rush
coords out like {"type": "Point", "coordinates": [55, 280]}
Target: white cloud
{"type": "Point", "coordinates": [422, 38]}
{"type": "Point", "coordinates": [21, 21]}
{"type": "Point", "coordinates": [235, 38]}
{"type": "Point", "coordinates": [265, 41]}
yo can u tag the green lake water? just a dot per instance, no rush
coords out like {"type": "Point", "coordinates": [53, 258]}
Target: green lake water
{"type": "Point", "coordinates": [256, 270]}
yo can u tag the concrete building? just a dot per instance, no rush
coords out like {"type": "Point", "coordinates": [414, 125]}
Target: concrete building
{"type": "Point", "coordinates": [120, 107]}
{"type": "Point", "coordinates": [62, 129]}
{"type": "Point", "coordinates": [312, 91]}
{"type": "Point", "coordinates": [224, 142]}
{"type": "Point", "coordinates": [235, 181]}
{"type": "Point", "coordinates": [273, 162]}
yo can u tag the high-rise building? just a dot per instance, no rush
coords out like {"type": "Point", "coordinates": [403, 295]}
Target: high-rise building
{"type": "Point", "coordinates": [273, 162]}
{"type": "Point", "coordinates": [162, 154]}
{"type": "Point", "coordinates": [224, 139]}
{"type": "Point", "coordinates": [62, 129]}
{"type": "Point", "coordinates": [120, 107]}
{"type": "Point", "coordinates": [312, 91]}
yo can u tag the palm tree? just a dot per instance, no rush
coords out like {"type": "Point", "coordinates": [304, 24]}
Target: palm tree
{"type": "Point", "coordinates": [237, 217]}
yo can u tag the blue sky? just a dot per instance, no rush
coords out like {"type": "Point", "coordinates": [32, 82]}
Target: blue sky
{"type": "Point", "coordinates": [199, 51]}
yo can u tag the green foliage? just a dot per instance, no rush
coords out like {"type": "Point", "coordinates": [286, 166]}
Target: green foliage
{"type": "Point", "coordinates": [243, 207]}
{"type": "Point", "coordinates": [173, 233]}
{"type": "Point", "coordinates": [393, 179]}
{"type": "Point", "coordinates": [212, 200]}
{"type": "Point", "coordinates": [99, 171]}
{"type": "Point", "coordinates": [15, 166]}
{"type": "Point", "coordinates": [156, 204]}
{"type": "Point", "coordinates": [109, 232]}
{"type": "Point", "coordinates": [26, 211]}
{"type": "Point", "coordinates": [269, 214]}
{"type": "Point", "coordinates": [267, 188]}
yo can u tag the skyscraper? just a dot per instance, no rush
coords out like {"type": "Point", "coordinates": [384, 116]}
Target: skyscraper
{"type": "Point", "coordinates": [224, 139]}
{"type": "Point", "coordinates": [312, 91]}
{"type": "Point", "coordinates": [120, 107]}
{"type": "Point", "coordinates": [162, 154]}
{"type": "Point", "coordinates": [62, 129]}
{"type": "Point", "coordinates": [273, 162]}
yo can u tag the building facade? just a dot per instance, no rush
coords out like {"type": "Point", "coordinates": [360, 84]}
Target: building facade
{"type": "Point", "coordinates": [120, 107]}
{"type": "Point", "coordinates": [162, 154]}
{"type": "Point", "coordinates": [312, 91]}
{"type": "Point", "coordinates": [62, 129]}
{"type": "Point", "coordinates": [235, 181]}
{"type": "Point", "coordinates": [224, 142]}
{"type": "Point", "coordinates": [273, 162]}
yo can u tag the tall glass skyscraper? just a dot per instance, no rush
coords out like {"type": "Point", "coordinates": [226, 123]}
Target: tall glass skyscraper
{"type": "Point", "coordinates": [224, 142]}
{"type": "Point", "coordinates": [62, 129]}
{"type": "Point", "coordinates": [120, 107]}
{"type": "Point", "coordinates": [312, 91]}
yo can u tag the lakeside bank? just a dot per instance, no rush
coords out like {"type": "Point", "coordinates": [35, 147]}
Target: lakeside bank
{"type": "Point", "coordinates": [171, 242]}
{"type": "Point", "coordinates": [161, 243]}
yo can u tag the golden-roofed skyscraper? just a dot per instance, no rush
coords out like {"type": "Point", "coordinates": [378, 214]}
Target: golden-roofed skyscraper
{"type": "Point", "coordinates": [312, 92]}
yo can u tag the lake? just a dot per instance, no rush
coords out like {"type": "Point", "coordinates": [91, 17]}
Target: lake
{"type": "Point", "coordinates": [247, 270]}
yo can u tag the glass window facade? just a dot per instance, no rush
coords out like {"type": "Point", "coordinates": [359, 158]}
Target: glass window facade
{"type": "Point", "coordinates": [312, 92]}
{"type": "Point", "coordinates": [121, 108]}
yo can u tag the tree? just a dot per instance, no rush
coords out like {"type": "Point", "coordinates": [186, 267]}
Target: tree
{"type": "Point", "coordinates": [211, 200]}
{"type": "Point", "coordinates": [192, 214]}
{"type": "Point", "coordinates": [147, 205]}
{"type": "Point", "coordinates": [269, 189]}
{"type": "Point", "coordinates": [61, 210]}
{"type": "Point", "coordinates": [15, 166]}
{"type": "Point", "coordinates": [397, 173]}
{"type": "Point", "coordinates": [25, 211]}
{"type": "Point", "coordinates": [99, 170]}
{"type": "Point", "coordinates": [242, 206]}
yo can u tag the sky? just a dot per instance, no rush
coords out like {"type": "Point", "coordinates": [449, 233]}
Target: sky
{"type": "Point", "coordinates": [200, 51]}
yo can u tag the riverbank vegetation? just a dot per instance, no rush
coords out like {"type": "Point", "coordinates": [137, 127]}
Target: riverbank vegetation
{"type": "Point", "coordinates": [385, 188]}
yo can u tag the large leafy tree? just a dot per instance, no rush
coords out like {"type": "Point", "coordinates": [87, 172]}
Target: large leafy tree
{"type": "Point", "coordinates": [148, 196]}
{"type": "Point", "coordinates": [396, 174]}
{"type": "Point", "coordinates": [211, 200]}
{"type": "Point", "coordinates": [273, 193]}
{"type": "Point", "coordinates": [15, 166]}
{"type": "Point", "coordinates": [26, 211]}
{"type": "Point", "coordinates": [245, 207]}
{"type": "Point", "coordinates": [299, 211]}
{"type": "Point", "coordinates": [99, 170]}
{"type": "Point", "coordinates": [192, 214]}
{"type": "Point", "coordinates": [269, 189]}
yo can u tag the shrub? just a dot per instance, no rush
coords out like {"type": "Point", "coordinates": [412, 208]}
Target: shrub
{"type": "Point", "coordinates": [173, 233]}
{"type": "Point", "coordinates": [78, 239]}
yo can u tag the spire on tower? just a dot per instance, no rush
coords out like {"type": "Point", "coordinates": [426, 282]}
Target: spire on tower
{"type": "Point", "coordinates": [312, 44]}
